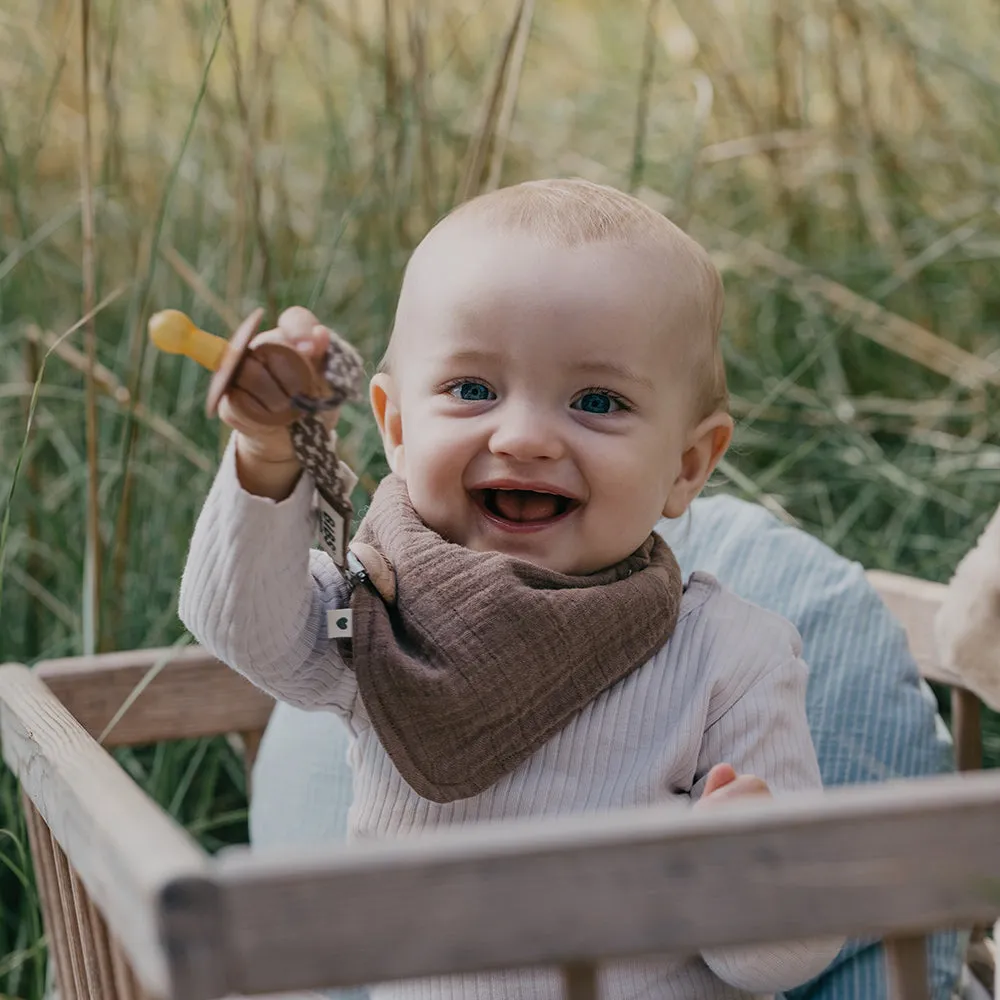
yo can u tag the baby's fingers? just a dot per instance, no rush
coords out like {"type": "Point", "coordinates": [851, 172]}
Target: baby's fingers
{"type": "Point", "coordinates": [312, 345]}
{"type": "Point", "coordinates": [720, 776]}
{"type": "Point", "coordinates": [744, 786]}
{"type": "Point", "coordinates": [301, 328]}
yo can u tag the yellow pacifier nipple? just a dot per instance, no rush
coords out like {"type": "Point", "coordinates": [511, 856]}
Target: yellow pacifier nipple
{"type": "Point", "coordinates": [173, 332]}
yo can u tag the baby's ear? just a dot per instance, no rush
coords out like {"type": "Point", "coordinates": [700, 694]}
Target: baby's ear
{"type": "Point", "coordinates": [705, 446]}
{"type": "Point", "coordinates": [383, 395]}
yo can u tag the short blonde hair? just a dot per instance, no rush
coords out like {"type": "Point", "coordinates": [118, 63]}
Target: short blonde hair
{"type": "Point", "coordinates": [573, 212]}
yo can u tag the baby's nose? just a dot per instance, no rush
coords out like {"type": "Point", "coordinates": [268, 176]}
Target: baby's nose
{"type": "Point", "coordinates": [526, 434]}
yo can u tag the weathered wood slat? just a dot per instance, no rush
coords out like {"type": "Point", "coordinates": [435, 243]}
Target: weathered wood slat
{"type": "Point", "coordinates": [580, 981]}
{"type": "Point", "coordinates": [43, 857]}
{"type": "Point", "coordinates": [124, 978]}
{"type": "Point", "coordinates": [915, 603]}
{"type": "Point", "coordinates": [906, 968]}
{"type": "Point", "coordinates": [192, 695]}
{"type": "Point", "coordinates": [901, 859]}
{"type": "Point", "coordinates": [101, 943]}
{"type": "Point", "coordinates": [124, 849]}
{"type": "Point", "coordinates": [76, 986]}
{"type": "Point", "coordinates": [967, 729]}
{"type": "Point", "coordinates": [84, 936]}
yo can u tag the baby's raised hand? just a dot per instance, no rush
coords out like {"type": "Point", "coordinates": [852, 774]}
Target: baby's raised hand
{"type": "Point", "coordinates": [723, 785]}
{"type": "Point", "coordinates": [265, 459]}
{"type": "Point", "coordinates": [297, 328]}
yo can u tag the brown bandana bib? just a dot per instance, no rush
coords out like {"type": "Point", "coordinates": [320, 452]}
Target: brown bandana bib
{"type": "Point", "coordinates": [467, 662]}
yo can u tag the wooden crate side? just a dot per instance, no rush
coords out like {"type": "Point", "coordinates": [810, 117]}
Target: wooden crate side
{"type": "Point", "coordinates": [906, 968]}
{"type": "Point", "coordinates": [914, 603]}
{"type": "Point", "coordinates": [896, 860]}
{"type": "Point", "coordinates": [123, 849]}
{"type": "Point", "coordinates": [191, 694]}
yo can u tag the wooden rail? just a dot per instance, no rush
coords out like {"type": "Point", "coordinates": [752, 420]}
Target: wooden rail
{"type": "Point", "coordinates": [191, 694]}
{"type": "Point", "coordinates": [121, 848]}
{"type": "Point", "coordinates": [895, 860]}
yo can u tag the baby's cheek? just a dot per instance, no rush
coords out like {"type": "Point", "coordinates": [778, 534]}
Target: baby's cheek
{"type": "Point", "coordinates": [436, 502]}
{"type": "Point", "coordinates": [635, 493]}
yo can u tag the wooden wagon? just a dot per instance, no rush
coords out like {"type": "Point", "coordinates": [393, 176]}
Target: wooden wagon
{"type": "Point", "coordinates": [135, 910]}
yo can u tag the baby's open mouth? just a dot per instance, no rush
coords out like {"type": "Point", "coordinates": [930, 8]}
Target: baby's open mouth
{"type": "Point", "coordinates": [524, 506]}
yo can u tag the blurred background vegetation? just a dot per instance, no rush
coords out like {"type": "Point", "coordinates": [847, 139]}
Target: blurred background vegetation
{"type": "Point", "coordinates": [838, 157]}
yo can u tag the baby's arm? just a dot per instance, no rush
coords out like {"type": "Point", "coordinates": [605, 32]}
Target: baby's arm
{"type": "Point", "coordinates": [765, 733]}
{"type": "Point", "coordinates": [255, 595]}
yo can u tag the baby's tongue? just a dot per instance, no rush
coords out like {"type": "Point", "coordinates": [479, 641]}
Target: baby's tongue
{"type": "Point", "coordinates": [524, 505]}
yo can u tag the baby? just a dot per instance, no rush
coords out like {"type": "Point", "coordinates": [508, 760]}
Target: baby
{"type": "Point", "coordinates": [522, 642]}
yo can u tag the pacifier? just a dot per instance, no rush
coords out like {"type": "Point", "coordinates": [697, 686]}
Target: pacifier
{"type": "Point", "coordinates": [271, 384]}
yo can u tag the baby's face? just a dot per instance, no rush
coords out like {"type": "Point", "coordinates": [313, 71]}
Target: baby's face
{"type": "Point", "coordinates": [535, 405]}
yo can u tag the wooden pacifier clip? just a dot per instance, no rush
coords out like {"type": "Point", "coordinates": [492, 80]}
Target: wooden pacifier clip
{"type": "Point", "coordinates": [275, 385]}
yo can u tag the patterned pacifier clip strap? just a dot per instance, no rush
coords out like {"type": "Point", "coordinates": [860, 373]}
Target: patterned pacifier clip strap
{"type": "Point", "coordinates": [315, 448]}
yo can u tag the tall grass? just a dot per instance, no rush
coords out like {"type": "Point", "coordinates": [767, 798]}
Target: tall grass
{"type": "Point", "coordinates": [837, 156]}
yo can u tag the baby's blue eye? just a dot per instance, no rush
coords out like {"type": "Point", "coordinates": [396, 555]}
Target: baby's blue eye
{"type": "Point", "coordinates": [597, 402]}
{"type": "Point", "coordinates": [471, 392]}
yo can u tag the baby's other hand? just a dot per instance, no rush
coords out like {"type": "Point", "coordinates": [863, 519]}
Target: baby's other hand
{"type": "Point", "coordinates": [723, 785]}
{"type": "Point", "coordinates": [298, 328]}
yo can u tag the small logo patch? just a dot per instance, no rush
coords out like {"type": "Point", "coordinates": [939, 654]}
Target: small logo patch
{"type": "Point", "coordinates": [340, 623]}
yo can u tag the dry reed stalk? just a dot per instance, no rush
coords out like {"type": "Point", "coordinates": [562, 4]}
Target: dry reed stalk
{"type": "Point", "coordinates": [92, 570]}
{"type": "Point", "coordinates": [393, 115]}
{"type": "Point", "coordinates": [266, 113]}
{"type": "Point", "coordinates": [44, 598]}
{"type": "Point", "coordinates": [452, 26]}
{"type": "Point", "coordinates": [122, 521]}
{"type": "Point", "coordinates": [876, 212]}
{"type": "Point", "coordinates": [875, 206]}
{"type": "Point", "coordinates": [745, 483]}
{"type": "Point", "coordinates": [704, 101]}
{"type": "Point", "coordinates": [718, 44]}
{"type": "Point", "coordinates": [34, 146]}
{"type": "Point", "coordinates": [475, 161]}
{"type": "Point", "coordinates": [350, 29]}
{"type": "Point", "coordinates": [843, 133]}
{"type": "Point", "coordinates": [390, 72]}
{"type": "Point", "coordinates": [646, 71]}
{"type": "Point", "coordinates": [109, 384]}
{"type": "Point", "coordinates": [932, 252]}
{"type": "Point", "coordinates": [719, 62]}
{"type": "Point", "coordinates": [215, 108]}
{"type": "Point", "coordinates": [257, 45]}
{"type": "Point", "coordinates": [868, 318]}
{"type": "Point", "coordinates": [263, 75]}
{"type": "Point", "coordinates": [755, 145]}
{"type": "Point", "coordinates": [417, 23]}
{"type": "Point", "coordinates": [114, 148]}
{"type": "Point", "coordinates": [35, 566]}
{"type": "Point", "coordinates": [235, 271]}
{"type": "Point", "coordinates": [787, 52]}
{"type": "Point", "coordinates": [784, 115]}
{"type": "Point", "coordinates": [197, 284]}
{"type": "Point", "coordinates": [250, 163]}
{"type": "Point", "coordinates": [512, 87]}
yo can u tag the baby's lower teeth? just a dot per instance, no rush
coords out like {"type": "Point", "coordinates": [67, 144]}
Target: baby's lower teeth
{"type": "Point", "coordinates": [522, 505]}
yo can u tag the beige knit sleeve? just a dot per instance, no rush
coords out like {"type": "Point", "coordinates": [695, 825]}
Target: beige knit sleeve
{"type": "Point", "coordinates": [765, 733]}
{"type": "Point", "coordinates": [255, 594]}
